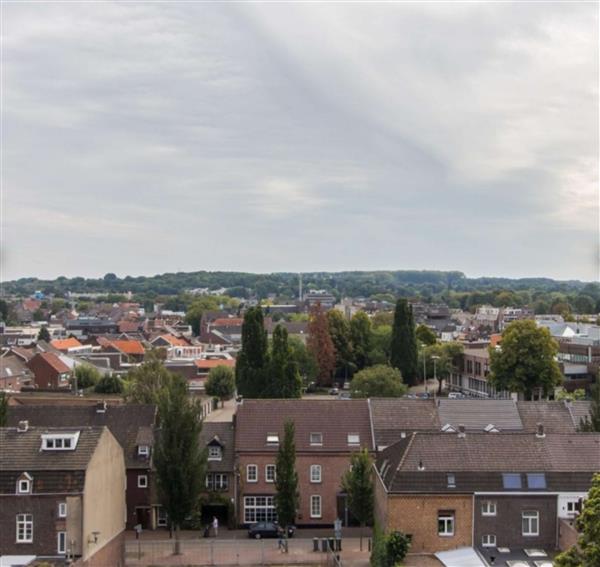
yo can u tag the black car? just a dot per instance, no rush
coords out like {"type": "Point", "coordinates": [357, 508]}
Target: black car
{"type": "Point", "coordinates": [268, 529]}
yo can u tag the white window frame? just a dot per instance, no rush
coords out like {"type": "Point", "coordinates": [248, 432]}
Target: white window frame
{"type": "Point", "coordinates": [217, 453]}
{"type": "Point", "coordinates": [489, 508]}
{"type": "Point", "coordinates": [451, 480]}
{"type": "Point", "coordinates": [62, 509]}
{"type": "Point", "coordinates": [142, 481]}
{"type": "Point", "coordinates": [448, 519]}
{"type": "Point", "coordinates": [61, 538]}
{"type": "Point", "coordinates": [26, 523]}
{"type": "Point", "coordinates": [488, 540]}
{"type": "Point", "coordinates": [273, 439]}
{"type": "Point", "coordinates": [353, 439]}
{"type": "Point", "coordinates": [24, 486]}
{"type": "Point", "coordinates": [253, 477]}
{"type": "Point", "coordinates": [57, 441]}
{"type": "Point", "coordinates": [572, 507]}
{"type": "Point", "coordinates": [270, 478]}
{"type": "Point", "coordinates": [316, 511]}
{"type": "Point", "coordinates": [316, 474]}
{"type": "Point", "coordinates": [143, 450]}
{"type": "Point", "coordinates": [530, 516]}
{"type": "Point", "coordinates": [259, 509]}
{"type": "Point", "coordinates": [316, 439]}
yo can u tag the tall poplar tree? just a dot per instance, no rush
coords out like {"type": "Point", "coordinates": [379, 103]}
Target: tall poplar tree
{"type": "Point", "coordinates": [339, 330]}
{"type": "Point", "coordinates": [403, 348]}
{"type": "Point", "coordinates": [320, 344]}
{"type": "Point", "coordinates": [286, 479]}
{"type": "Point", "coordinates": [360, 331]}
{"type": "Point", "coordinates": [253, 360]}
{"type": "Point", "coordinates": [284, 378]}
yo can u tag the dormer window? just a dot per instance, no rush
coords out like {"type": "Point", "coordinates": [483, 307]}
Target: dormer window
{"type": "Point", "coordinates": [272, 439]}
{"type": "Point", "coordinates": [24, 484]}
{"type": "Point", "coordinates": [316, 439]}
{"type": "Point", "coordinates": [143, 450]}
{"type": "Point", "coordinates": [491, 428]}
{"type": "Point", "coordinates": [448, 428]}
{"type": "Point", "coordinates": [353, 439]}
{"type": "Point", "coordinates": [60, 441]}
{"type": "Point", "coordinates": [215, 453]}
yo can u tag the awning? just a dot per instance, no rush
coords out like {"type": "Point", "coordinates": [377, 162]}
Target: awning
{"type": "Point", "coordinates": [461, 557]}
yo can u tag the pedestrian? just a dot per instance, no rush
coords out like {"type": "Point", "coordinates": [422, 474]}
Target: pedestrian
{"type": "Point", "coordinates": [215, 525]}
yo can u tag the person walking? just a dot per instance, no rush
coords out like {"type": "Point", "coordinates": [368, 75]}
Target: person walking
{"type": "Point", "coordinates": [215, 524]}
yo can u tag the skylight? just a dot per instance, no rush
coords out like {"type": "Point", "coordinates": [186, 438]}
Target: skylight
{"type": "Point", "coordinates": [511, 481]}
{"type": "Point", "coordinates": [536, 480]}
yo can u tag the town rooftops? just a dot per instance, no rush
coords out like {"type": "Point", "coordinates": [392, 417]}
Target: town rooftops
{"type": "Point", "coordinates": [51, 360]}
{"type": "Point", "coordinates": [224, 434]}
{"type": "Point", "coordinates": [65, 344]}
{"type": "Point", "coordinates": [554, 416]}
{"type": "Point", "coordinates": [476, 415]}
{"type": "Point", "coordinates": [321, 425]}
{"type": "Point", "coordinates": [124, 346]}
{"type": "Point", "coordinates": [578, 410]}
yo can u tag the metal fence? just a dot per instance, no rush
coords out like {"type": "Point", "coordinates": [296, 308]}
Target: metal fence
{"type": "Point", "coordinates": [231, 552]}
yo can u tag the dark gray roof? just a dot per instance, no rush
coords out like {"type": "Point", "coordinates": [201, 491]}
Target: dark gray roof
{"type": "Point", "coordinates": [224, 432]}
{"type": "Point", "coordinates": [475, 415]}
{"type": "Point", "coordinates": [13, 366]}
{"type": "Point", "coordinates": [126, 423]}
{"type": "Point", "coordinates": [578, 410]}
{"type": "Point", "coordinates": [554, 416]}
{"type": "Point", "coordinates": [20, 451]}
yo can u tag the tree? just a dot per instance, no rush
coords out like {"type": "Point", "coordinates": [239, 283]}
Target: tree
{"type": "Point", "coordinates": [381, 337]}
{"type": "Point", "coordinates": [526, 361]}
{"type": "Point", "coordinates": [3, 409]}
{"type": "Point", "coordinates": [86, 376]}
{"type": "Point", "coordinates": [397, 546]}
{"type": "Point", "coordinates": [339, 330]}
{"type": "Point", "coordinates": [360, 332]}
{"type": "Point", "coordinates": [585, 304]}
{"type": "Point", "coordinates": [284, 378]}
{"type": "Point", "coordinates": [403, 350]}
{"type": "Point", "coordinates": [380, 381]}
{"type": "Point", "coordinates": [109, 384]}
{"type": "Point", "coordinates": [193, 314]}
{"type": "Point", "coordinates": [592, 422]}
{"type": "Point", "coordinates": [425, 335]}
{"type": "Point", "coordinates": [286, 479]}
{"type": "Point", "coordinates": [586, 553]}
{"type": "Point", "coordinates": [320, 344]}
{"type": "Point", "coordinates": [357, 483]}
{"type": "Point", "coordinates": [178, 457]}
{"type": "Point", "coordinates": [446, 360]}
{"type": "Point", "coordinates": [307, 365]}
{"type": "Point", "coordinates": [220, 383]}
{"type": "Point", "coordinates": [146, 381]}
{"type": "Point", "coordinates": [253, 360]}
{"type": "Point", "coordinates": [44, 334]}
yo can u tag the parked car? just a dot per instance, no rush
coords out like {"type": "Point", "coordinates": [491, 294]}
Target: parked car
{"type": "Point", "coordinates": [456, 396]}
{"type": "Point", "coordinates": [344, 396]}
{"type": "Point", "coordinates": [268, 529]}
{"type": "Point", "coordinates": [334, 391]}
{"type": "Point", "coordinates": [423, 395]}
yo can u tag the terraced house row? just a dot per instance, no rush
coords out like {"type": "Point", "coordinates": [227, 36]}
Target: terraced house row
{"type": "Point", "coordinates": [451, 473]}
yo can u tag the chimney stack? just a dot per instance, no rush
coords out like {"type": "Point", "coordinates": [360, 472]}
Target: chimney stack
{"type": "Point", "coordinates": [461, 430]}
{"type": "Point", "coordinates": [540, 431]}
{"type": "Point", "coordinates": [421, 466]}
{"type": "Point", "coordinates": [23, 426]}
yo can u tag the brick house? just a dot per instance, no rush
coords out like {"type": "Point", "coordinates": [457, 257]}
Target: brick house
{"type": "Point", "coordinates": [489, 490]}
{"type": "Point", "coordinates": [14, 374]}
{"type": "Point", "coordinates": [49, 371]}
{"type": "Point", "coordinates": [327, 433]}
{"type": "Point", "coordinates": [62, 494]}
{"type": "Point", "coordinates": [133, 427]}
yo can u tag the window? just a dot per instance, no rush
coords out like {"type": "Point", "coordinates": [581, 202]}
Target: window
{"type": "Point", "coordinates": [24, 486]}
{"type": "Point", "coordinates": [446, 523]}
{"type": "Point", "coordinates": [451, 480]}
{"type": "Point", "coordinates": [252, 473]}
{"type": "Point", "coordinates": [162, 517]}
{"type": "Point", "coordinates": [272, 439]}
{"type": "Point", "coordinates": [24, 528]}
{"type": "Point", "coordinates": [511, 481]}
{"type": "Point", "coordinates": [488, 508]}
{"type": "Point", "coordinates": [353, 439]}
{"type": "Point", "coordinates": [488, 540]}
{"type": "Point", "coordinates": [142, 481]}
{"type": "Point", "coordinates": [143, 450]}
{"type": "Point", "coordinates": [215, 453]}
{"type": "Point", "coordinates": [216, 481]}
{"type": "Point", "coordinates": [530, 522]}
{"type": "Point", "coordinates": [536, 480]}
{"type": "Point", "coordinates": [62, 509]}
{"type": "Point", "coordinates": [316, 439]}
{"type": "Point", "coordinates": [572, 507]}
{"type": "Point", "coordinates": [60, 441]}
{"type": "Point", "coordinates": [315, 473]}
{"type": "Point", "coordinates": [259, 509]}
{"type": "Point", "coordinates": [270, 473]}
{"type": "Point", "coordinates": [61, 543]}
{"type": "Point", "coordinates": [315, 506]}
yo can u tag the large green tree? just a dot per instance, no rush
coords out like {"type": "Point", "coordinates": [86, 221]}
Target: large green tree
{"type": "Point", "coordinates": [360, 332]}
{"type": "Point", "coordinates": [403, 349]}
{"type": "Point", "coordinates": [286, 479]}
{"type": "Point", "coordinates": [86, 376]}
{"type": "Point", "coordinates": [307, 365]}
{"type": "Point", "coordinates": [586, 553]}
{"type": "Point", "coordinates": [146, 381]}
{"type": "Point", "coordinates": [252, 363]}
{"type": "Point", "coordinates": [109, 384]}
{"type": "Point", "coordinates": [526, 360]}
{"type": "Point", "coordinates": [44, 334]}
{"type": "Point", "coordinates": [357, 483]}
{"type": "Point", "coordinates": [379, 381]}
{"type": "Point", "coordinates": [284, 379]}
{"type": "Point", "coordinates": [425, 335]}
{"type": "Point", "coordinates": [220, 383]}
{"type": "Point", "coordinates": [178, 457]}
{"type": "Point", "coordinates": [320, 344]}
{"type": "Point", "coordinates": [339, 330]}
{"type": "Point", "coordinates": [441, 360]}
{"type": "Point", "coordinates": [193, 314]}
{"type": "Point", "coordinates": [592, 422]}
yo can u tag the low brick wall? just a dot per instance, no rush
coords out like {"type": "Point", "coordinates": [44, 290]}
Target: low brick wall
{"type": "Point", "coordinates": [111, 555]}
{"type": "Point", "coordinates": [567, 534]}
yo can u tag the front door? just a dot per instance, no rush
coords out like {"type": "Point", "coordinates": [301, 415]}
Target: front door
{"type": "Point", "coordinates": [143, 517]}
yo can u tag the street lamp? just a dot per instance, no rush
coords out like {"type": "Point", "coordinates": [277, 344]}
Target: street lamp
{"type": "Point", "coordinates": [425, 371]}
{"type": "Point", "coordinates": [434, 358]}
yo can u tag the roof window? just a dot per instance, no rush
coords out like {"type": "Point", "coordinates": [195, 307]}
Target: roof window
{"type": "Point", "coordinates": [60, 441]}
{"type": "Point", "coordinates": [353, 439]}
{"type": "Point", "coordinates": [272, 439]}
{"type": "Point", "coordinates": [536, 480]}
{"type": "Point", "coordinates": [511, 481]}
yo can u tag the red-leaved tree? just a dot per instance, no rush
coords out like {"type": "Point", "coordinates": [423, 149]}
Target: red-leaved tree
{"type": "Point", "coordinates": [320, 344]}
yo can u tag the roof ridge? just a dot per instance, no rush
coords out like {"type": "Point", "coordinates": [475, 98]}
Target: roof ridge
{"type": "Point", "coordinates": [404, 455]}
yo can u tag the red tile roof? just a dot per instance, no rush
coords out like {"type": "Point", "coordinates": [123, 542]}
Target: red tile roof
{"type": "Point", "coordinates": [228, 322]}
{"type": "Point", "coordinates": [53, 360]}
{"type": "Point", "coordinates": [65, 344]}
{"type": "Point", "coordinates": [203, 363]}
{"type": "Point", "coordinates": [174, 341]}
{"type": "Point", "coordinates": [125, 346]}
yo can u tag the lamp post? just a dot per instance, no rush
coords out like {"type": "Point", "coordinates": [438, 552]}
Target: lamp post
{"type": "Point", "coordinates": [425, 371]}
{"type": "Point", "coordinates": [434, 358]}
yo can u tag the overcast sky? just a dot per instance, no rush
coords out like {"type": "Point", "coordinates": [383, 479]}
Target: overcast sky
{"type": "Point", "coordinates": [149, 138]}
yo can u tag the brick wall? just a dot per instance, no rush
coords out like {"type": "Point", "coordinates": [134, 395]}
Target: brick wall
{"type": "Point", "coordinates": [418, 515]}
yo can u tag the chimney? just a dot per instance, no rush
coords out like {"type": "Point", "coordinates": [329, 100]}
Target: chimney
{"type": "Point", "coordinates": [540, 431]}
{"type": "Point", "coordinates": [23, 426]}
{"type": "Point", "coordinates": [421, 465]}
{"type": "Point", "coordinates": [101, 407]}
{"type": "Point", "coordinates": [461, 430]}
